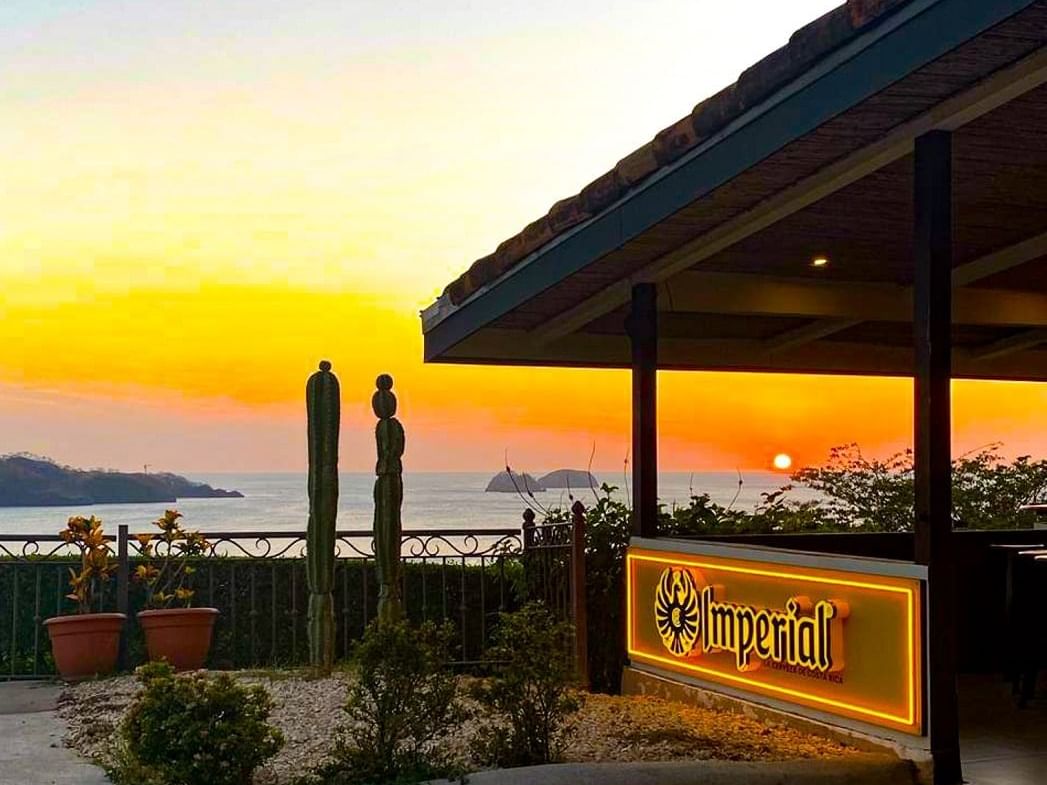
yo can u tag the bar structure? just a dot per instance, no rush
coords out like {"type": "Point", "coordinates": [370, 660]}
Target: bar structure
{"type": "Point", "coordinates": [869, 200]}
{"type": "Point", "coordinates": [932, 442]}
{"type": "Point", "coordinates": [642, 327]}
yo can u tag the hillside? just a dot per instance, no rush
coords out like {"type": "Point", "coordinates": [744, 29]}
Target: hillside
{"type": "Point", "coordinates": [27, 481]}
{"type": "Point", "coordinates": [575, 479]}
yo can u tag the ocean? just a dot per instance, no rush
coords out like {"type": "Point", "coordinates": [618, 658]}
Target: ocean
{"type": "Point", "coordinates": [432, 500]}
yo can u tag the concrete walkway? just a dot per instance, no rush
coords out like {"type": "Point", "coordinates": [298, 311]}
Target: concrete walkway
{"type": "Point", "coordinates": [31, 749]}
{"type": "Point", "coordinates": [858, 770]}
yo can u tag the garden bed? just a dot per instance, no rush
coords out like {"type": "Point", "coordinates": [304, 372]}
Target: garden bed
{"type": "Point", "coordinates": [607, 728]}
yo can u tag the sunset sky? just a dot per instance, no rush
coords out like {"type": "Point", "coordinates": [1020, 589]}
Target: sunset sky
{"type": "Point", "coordinates": [199, 200]}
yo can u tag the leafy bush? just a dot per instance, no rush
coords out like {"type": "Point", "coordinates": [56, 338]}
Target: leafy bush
{"type": "Point", "coordinates": [165, 570]}
{"type": "Point", "coordinates": [529, 691]}
{"type": "Point", "coordinates": [403, 698]}
{"type": "Point", "coordinates": [195, 729]}
{"type": "Point", "coordinates": [96, 566]}
{"type": "Point", "coordinates": [608, 526]}
{"type": "Point", "coordinates": [870, 495]}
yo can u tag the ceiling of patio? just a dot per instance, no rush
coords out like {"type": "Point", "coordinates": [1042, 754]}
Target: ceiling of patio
{"type": "Point", "coordinates": [737, 288]}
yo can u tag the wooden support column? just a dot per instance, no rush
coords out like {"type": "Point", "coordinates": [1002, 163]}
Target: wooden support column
{"type": "Point", "coordinates": [932, 292]}
{"type": "Point", "coordinates": [642, 326]}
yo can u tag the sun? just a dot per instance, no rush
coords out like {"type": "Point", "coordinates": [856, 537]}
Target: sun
{"type": "Point", "coordinates": [782, 461]}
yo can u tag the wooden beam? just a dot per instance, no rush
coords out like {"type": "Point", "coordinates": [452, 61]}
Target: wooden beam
{"type": "Point", "coordinates": [755, 295]}
{"type": "Point", "coordinates": [808, 333]}
{"type": "Point", "coordinates": [975, 306]}
{"type": "Point", "coordinates": [642, 327]}
{"type": "Point", "coordinates": [932, 443]}
{"type": "Point", "coordinates": [991, 93]}
{"type": "Point", "coordinates": [999, 261]}
{"type": "Point", "coordinates": [588, 350]}
{"type": "Point", "coordinates": [1015, 343]}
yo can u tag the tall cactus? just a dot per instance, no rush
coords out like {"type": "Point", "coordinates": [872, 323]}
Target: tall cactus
{"type": "Point", "coordinates": [388, 498]}
{"type": "Point", "coordinates": [323, 411]}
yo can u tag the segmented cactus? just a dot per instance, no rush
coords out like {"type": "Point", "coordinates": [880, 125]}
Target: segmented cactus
{"type": "Point", "coordinates": [388, 498]}
{"type": "Point", "coordinates": [322, 407]}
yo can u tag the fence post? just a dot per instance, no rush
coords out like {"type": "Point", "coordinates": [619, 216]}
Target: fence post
{"type": "Point", "coordinates": [578, 593]}
{"type": "Point", "coordinates": [528, 528]}
{"type": "Point", "coordinates": [122, 577]}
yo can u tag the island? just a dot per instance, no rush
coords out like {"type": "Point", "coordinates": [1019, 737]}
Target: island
{"type": "Point", "coordinates": [574, 479]}
{"type": "Point", "coordinates": [503, 482]}
{"type": "Point", "coordinates": [31, 481]}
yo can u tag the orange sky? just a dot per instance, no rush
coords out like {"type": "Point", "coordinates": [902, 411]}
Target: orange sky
{"type": "Point", "coordinates": [195, 213]}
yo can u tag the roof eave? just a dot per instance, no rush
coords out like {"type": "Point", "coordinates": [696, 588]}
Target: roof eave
{"type": "Point", "coordinates": [915, 35]}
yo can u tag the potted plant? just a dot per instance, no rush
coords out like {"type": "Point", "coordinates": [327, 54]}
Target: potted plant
{"type": "Point", "coordinates": [174, 630]}
{"type": "Point", "coordinates": [86, 644]}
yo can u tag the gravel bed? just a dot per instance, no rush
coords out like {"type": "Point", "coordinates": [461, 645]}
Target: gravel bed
{"type": "Point", "coordinates": [607, 728]}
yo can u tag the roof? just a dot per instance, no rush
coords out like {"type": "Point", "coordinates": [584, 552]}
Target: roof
{"type": "Point", "coordinates": [808, 154]}
{"type": "Point", "coordinates": [805, 47]}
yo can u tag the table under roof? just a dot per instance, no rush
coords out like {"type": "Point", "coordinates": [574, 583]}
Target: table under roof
{"type": "Point", "coordinates": [808, 156]}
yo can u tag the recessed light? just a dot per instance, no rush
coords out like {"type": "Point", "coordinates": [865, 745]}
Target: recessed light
{"type": "Point", "coordinates": [820, 261]}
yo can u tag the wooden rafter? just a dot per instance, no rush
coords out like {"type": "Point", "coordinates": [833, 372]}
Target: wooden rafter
{"type": "Point", "coordinates": [989, 94]}
{"type": "Point", "coordinates": [971, 272]}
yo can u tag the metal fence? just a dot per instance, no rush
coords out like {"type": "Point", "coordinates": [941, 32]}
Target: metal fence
{"type": "Point", "coordinates": [257, 581]}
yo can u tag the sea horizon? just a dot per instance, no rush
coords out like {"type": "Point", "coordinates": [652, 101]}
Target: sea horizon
{"type": "Point", "coordinates": [277, 501]}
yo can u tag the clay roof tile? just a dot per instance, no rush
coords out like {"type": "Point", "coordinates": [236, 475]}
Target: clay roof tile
{"type": "Point", "coordinates": [755, 84]}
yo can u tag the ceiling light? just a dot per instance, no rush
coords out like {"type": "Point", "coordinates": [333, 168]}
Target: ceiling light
{"type": "Point", "coordinates": [820, 261]}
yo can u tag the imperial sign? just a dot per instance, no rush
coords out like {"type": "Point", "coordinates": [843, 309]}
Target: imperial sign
{"type": "Point", "coordinates": [842, 642]}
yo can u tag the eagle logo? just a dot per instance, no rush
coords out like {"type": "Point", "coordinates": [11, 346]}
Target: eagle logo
{"type": "Point", "coordinates": [676, 610]}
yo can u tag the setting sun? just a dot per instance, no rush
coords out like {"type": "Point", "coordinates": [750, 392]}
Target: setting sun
{"type": "Point", "coordinates": [782, 461]}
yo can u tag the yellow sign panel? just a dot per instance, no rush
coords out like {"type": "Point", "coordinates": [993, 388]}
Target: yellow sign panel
{"type": "Point", "coordinates": [842, 642]}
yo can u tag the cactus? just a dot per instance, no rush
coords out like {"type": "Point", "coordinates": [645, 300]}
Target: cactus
{"type": "Point", "coordinates": [322, 407]}
{"type": "Point", "coordinates": [388, 497]}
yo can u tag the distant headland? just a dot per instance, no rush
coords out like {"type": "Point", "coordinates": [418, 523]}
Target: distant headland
{"type": "Point", "coordinates": [31, 481]}
{"type": "Point", "coordinates": [575, 479]}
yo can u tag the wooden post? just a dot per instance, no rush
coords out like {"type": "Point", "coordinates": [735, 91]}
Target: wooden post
{"type": "Point", "coordinates": [642, 327]}
{"type": "Point", "coordinates": [528, 528]}
{"type": "Point", "coordinates": [932, 291]}
{"type": "Point", "coordinates": [123, 575]}
{"type": "Point", "coordinates": [579, 613]}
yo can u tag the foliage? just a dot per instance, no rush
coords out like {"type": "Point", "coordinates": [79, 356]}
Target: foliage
{"type": "Point", "coordinates": [608, 525]}
{"type": "Point", "coordinates": [195, 729]}
{"type": "Point", "coordinates": [166, 572]}
{"type": "Point", "coordinates": [863, 494]}
{"type": "Point", "coordinates": [987, 490]}
{"type": "Point", "coordinates": [403, 698]}
{"type": "Point", "coordinates": [775, 513]}
{"type": "Point", "coordinates": [96, 566]}
{"type": "Point", "coordinates": [530, 689]}
{"type": "Point", "coordinates": [275, 589]}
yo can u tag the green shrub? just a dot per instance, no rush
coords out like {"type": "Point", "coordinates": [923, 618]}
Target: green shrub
{"type": "Point", "coordinates": [195, 729]}
{"type": "Point", "coordinates": [529, 691]}
{"type": "Point", "coordinates": [608, 526]}
{"type": "Point", "coordinates": [402, 699]}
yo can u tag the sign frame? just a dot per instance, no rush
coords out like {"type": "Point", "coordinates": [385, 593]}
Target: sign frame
{"type": "Point", "coordinates": [807, 569]}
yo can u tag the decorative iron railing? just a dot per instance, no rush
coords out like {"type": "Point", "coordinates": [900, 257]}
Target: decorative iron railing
{"type": "Point", "coordinates": [257, 580]}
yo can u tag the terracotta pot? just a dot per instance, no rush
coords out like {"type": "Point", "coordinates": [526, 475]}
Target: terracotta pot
{"type": "Point", "coordinates": [182, 636]}
{"type": "Point", "coordinates": [85, 645]}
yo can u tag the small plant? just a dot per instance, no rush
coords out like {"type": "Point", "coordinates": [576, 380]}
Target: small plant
{"type": "Point", "coordinates": [530, 689]}
{"type": "Point", "coordinates": [96, 567]}
{"type": "Point", "coordinates": [167, 575]}
{"type": "Point", "coordinates": [401, 701]}
{"type": "Point", "coordinates": [195, 729]}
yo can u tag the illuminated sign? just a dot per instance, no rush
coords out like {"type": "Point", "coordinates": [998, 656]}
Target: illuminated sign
{"type": "Point", "coordinates": [781, 631]}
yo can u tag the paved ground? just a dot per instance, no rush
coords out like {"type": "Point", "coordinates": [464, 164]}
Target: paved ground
{"type": "Point", "coordinates": [1000, 744]}
{"type": "Point", "coordinates": [31, 750]}
{"type": "Point", "coordinates": [871, 770]}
